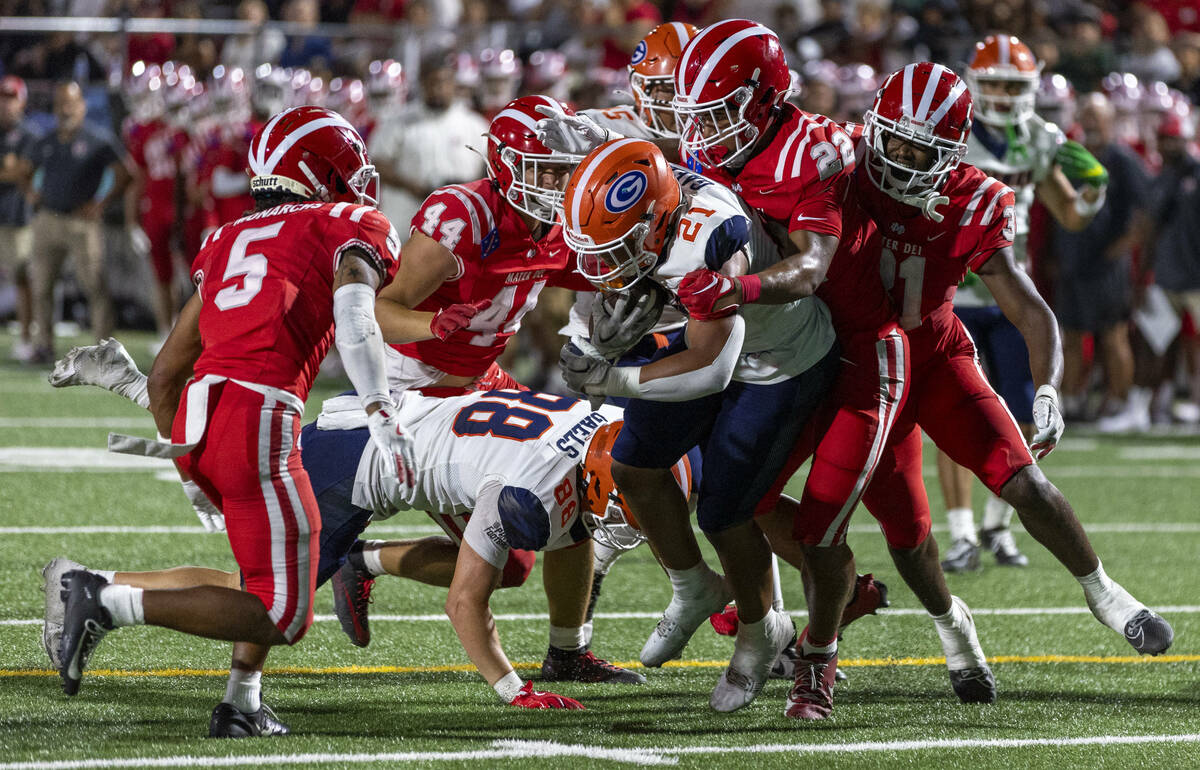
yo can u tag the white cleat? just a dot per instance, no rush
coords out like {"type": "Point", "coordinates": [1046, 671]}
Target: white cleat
{"type": "Point", "coordinates": [106, 365]}
{"type": "Point", "coordinates": [750, 667]}
{"type": "Point", "coordinates": [680, 620]}
{"type": "Point", "coordinates": [970, 675]}
{"type": "Point", "coordinates": [55, 605]}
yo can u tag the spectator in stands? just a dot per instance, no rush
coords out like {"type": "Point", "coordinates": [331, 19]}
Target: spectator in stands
{"type": "Point", "coordinates": [249, 51]}
{"type": "Point", "coordinates": [1085, 57]}
{"type": "Point", "coordinates": [58, 57]}
{"type": "Point", "coordinates": [197, 51]}
{"type": "Point", "coordinates": [16, 146]}
{"type": "Point", "coordinates": [78, 170]}
{"type": "Point", "coordinates": [312, 51]}
{"type": "Point", "coordinates": [1093, 294]}
{"type": "Point", "coordinates": [828, 37]}
{"type": "Point", "coordinates": [1149, 56]}
{"type": "Point", "coordinates": [1187, 52]}
{"type": "Point", "coordinates": [428, 145]}
{"type": "Point", "coordinates": [1173, 249]}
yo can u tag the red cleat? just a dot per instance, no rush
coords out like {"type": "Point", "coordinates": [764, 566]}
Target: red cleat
{"type": "Point", "coordinates": [811, 697]}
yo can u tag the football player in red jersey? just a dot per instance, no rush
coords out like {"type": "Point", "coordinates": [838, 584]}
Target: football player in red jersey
{"type": "Point", "coordinates": [937, 219]}
{"type": "Point", "coordinates": [274, 290]}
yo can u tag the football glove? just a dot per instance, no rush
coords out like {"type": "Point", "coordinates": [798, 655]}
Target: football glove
{"type": "Point", "coordinates": [572, 134]}
{"type": "Point", "coordinates": [701, 290]}
{"type": "Point", "coordinates": [450, 319]}
{"type": "Point", "coordinates": [617, 327]}
{"type": "Point", "coordinates": [394, 442]}
{"type": "Point", "coordinates": [529, 698]}
{"type": "Point", "coordinates": [1079, 165]}
{"type": "Point", "coordinates": [583, 368]}
{"type": "Point", "coordinates": [210, 518]}
{"type": "Point", "coordinates": [1048, 421]}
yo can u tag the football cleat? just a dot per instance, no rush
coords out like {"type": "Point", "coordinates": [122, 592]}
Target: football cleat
{"type": "Point", "coordinates": [963, 556]}
{"type": "Point", "coordinates": [811, 697]}
{"type": "Point", "coordinates": [52, 625]}
{"type": "Point", "coordinates": [351, 601]}
{"type": "Point", "coordinates": [85, 622]}
{"type": "Point", "coordinates": [1001, 543]}
{"type": "Point", "coordinates": [784, 666]}
{"type": "Point", "coordinates": [680, 621]}
{"type": "Point", "coordinates": [725, 622]}
{"type": "Point", "coordinates": [751, 664]}
{"type": "Point", "coordinates": [105, 364]}
{"type": "Point", "coordinates": [869, 595]}
{"type": "Point", "coordinates": [228, 722]}
{"type": "Point", "coordinates": [970, 675]}
{"type": "Point", "coordinates": [582, 665]}
{"type": "Point", "coordinates": [974, 685]}
{"type": "Point", "coordinates": [1149, 633]}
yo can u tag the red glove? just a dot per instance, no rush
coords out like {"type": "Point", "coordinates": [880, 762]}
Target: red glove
{"type": "Point", "coordinates": [450, 319]}
{"type": "Point", "coordinates": [702, 290]}
{"type": "Point", "coordinates": [529, 698]}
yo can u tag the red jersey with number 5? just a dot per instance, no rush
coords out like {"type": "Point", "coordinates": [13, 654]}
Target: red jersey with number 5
{"type": "Point", "coordinates": [266, 285]}
{"type": "Point", "coordinates": [923, 261]}
{"type": "Point", "coordinates": [498, 259]}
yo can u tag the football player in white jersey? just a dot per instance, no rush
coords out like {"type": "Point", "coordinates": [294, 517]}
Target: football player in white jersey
{"type": "Point", "coordinates": [530, 470]}
{"type": "Point", "coordinates": [1013, 144]}
{"type": "Point", "coordinates": [741, 386]}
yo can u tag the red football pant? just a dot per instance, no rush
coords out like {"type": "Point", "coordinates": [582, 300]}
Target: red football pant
{"type": "Point", "coordinates": [158, 223]}
{"type": "Point", "coordinates": [848, 439]}
{"type": "Point", "coordinates": [249, 466]}
{"type": "Point", "coordinates": [952, 401]}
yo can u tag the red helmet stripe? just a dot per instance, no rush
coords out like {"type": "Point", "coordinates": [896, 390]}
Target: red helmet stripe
{"type": "Point", "coordinates": [582, 174]}
{"type": "Point", "coordinates": [955, 93]}
{"type": "Point", "coordinates": [718, 54]}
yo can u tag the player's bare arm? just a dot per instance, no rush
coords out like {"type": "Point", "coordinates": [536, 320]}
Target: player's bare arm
{"type": "Point", "coordinates": [425, 265]}
{"type": "Point", "coordinates": [1021, 304]}
{"type": "Point", "coordinates": [173, 365]}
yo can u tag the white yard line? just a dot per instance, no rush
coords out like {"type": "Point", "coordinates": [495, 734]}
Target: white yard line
{"type": "Point", "coordinates": [519, 749]}
{"type": "Point", "coordinates": [67, 423]}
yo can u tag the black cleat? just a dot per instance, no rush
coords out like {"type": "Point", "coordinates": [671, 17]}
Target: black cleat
{"type": "Point", "coordinates": [974, 685]}
{"type": "Point", "coordinates": [582, 665]}
{"type": "Point", "coordinates": [999, 540]}
{"type": "Point", "coordinates": [1149, 633]}
{"type": "Point", "coordinates": [85, 622]}
{"type": "Point", "coordinates": [228, 722]}
{"type": "Point", "coordinates": [963, 556]}
{"type": "Point", "coordinates": [351, 601]}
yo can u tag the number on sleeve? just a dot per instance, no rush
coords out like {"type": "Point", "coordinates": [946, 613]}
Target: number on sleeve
{"type": "Point", "coordinates": [1010, 227]}
{"type": "Point", "coordinates": [252, 266]}
{"type": "Point", "coordinates": [451, 229]}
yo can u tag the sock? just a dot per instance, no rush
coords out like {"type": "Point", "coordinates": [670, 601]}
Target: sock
{"type": "Point", "coordinates": [587, 634]}
{"type": "Point", "coordinates": [962, 525]}
{"type": "Point", "coordinates": [603, 558]}
{"type": "Point", "coordinates": [776, 588]}
{"type": "Point", "coordinates": [124, 604]}
{"type": "Point", "coordinates": [244, 690]}
{"type": "Point", "coordinates": [107, 574]}
{"type": "Point", "coordinates": [956, 631]}
{"type": "Point", "coordinates": [567, 638]}
{"type": "Point", "coordinates": [1110, 603]}
{"type": "Point", "coordinates": [368, 560]}
{"type": "Point", "coordinates": [996, 513]}
{"type": "Point", "coordinates": [807, 647]}
{"type": "Point", "coordinates": [693, 582]}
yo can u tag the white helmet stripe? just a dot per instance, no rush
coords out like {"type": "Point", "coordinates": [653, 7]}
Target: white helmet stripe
{"type": "Point", "coordinates": [718, 54]}
{"type": "Point", "coordinates": [1005, 56]}
{"type": "Point", "coordinates": [520, 117]}
{"type": "Point", "coordinates": [906, 104]}
{"type": "Point", "coordinates": [583, 174]}
{"type": "Point", "coordinates": [948, 102]}
{"type": "Point", "coordinates": [277, 155]}
{"type": "Point", "coordinates": [681, 65]}
{"type": "Point", "coordinates": [258, 159]}
{"type": "Point", "coordinates": [931, 86]}
{"type": "Point", "coordinates": [680, 33]}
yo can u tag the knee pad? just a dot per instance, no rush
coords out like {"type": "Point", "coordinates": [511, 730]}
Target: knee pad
{"type": "Point", "coordinates": [517, 568]}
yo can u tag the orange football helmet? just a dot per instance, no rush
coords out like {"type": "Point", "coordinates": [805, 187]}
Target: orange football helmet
{"type": "Point", "coordinates": [1003, 77]}
{"type": "Point", "coordinates": [612, 523]}
{"type": "Point", "coordinates": [652, 68]}
{"type": "Point", "coordinates": [617, 212]}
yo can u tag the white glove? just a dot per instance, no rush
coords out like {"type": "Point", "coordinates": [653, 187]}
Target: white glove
{"type": "Point", "coordinates": [1047, 419]}
{"type": "Point", "coordinates": [394, 442]}
{"type": "Point", "coordinates": [572, 134]}
{"type": "Point", "coordinates": [139, 241]}
{"type": "Point", "coordinates": [619, 326]}
{"type": "Point", "coordinates": [212, 519]}
{"type": "Point", "coordinates": [583, 368]}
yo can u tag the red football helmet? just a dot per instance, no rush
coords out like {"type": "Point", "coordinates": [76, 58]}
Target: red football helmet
{"type": "Point", "coordinates": [927, 105]}
{"type": "Point", "coordinates": [729, 80]}
{"type": "Point", "coordinates": [314, 153]}
{"type": "Point", "coordinates": [652, 69]}
{"type": "Point", "coordinates": [517, 161]}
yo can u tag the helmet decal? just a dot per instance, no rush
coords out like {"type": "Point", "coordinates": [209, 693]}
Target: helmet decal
{"type": "Point", "coordinates": [625, 191]}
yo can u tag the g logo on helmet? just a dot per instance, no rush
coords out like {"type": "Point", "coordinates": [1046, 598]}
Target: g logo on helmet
{"type": "Point", "coordinates": [639, 53]}
{"type": "Point", "coordinates": [625, 192]}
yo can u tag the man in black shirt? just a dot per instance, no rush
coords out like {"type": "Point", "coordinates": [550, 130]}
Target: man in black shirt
{"type": "Point", "coordinates": [16, 145]}
{"type": "Point", "coordinates": [78, 170]}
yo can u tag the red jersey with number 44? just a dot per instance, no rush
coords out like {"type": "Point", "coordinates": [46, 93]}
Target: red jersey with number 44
{"type": "Point", "coordinates": [498, 259]}
{"type": "Point", "coordinates": [922, 261]}
{"type": "Point", "coordinates": [266, 285]}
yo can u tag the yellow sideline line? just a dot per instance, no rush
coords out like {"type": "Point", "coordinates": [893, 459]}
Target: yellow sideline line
{"type": "Point", "coordinates": [850, 663]}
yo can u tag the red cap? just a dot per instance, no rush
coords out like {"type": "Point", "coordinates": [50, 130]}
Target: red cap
{"type": "Point", "coordinates": [11, 85]}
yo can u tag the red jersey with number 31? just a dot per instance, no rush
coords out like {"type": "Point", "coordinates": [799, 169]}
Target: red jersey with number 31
{"type": "Point", "coordinates": [498, 259]}
{"type": "Point", "coordinates": [266, 285]}
{"type": "Point", "coordinates": [922, 261]}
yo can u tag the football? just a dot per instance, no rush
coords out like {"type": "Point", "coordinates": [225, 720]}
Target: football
{"type": "Point", "coordinates": [622, 318]}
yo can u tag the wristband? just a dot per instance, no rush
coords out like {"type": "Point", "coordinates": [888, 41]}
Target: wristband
{"type": "Point", "coordinates": [751, 288]}
{"type": "Point", "coordinates": [1085, 209]}
{"type": "Point", "coordinates": [508, 686]}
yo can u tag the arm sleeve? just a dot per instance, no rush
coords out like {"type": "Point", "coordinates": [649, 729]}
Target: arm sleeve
{"type": "Point", "coordinates": [485, 531]}
{"type": "Point", "coordinates": [359, 342]}
{"type": "Point", "coordinates": [623, 380]}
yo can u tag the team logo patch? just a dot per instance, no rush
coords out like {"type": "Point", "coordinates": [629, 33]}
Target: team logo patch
{"type": "Point", "coordinates": [639, 53]}
{"type": "Point", "coordinates": [625, 192]}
